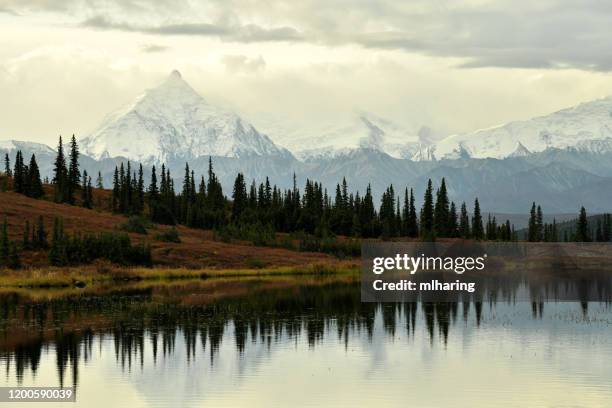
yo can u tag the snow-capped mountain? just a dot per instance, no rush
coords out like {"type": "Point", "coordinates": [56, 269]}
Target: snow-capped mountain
{"type": "Point", "coordinates": [587, 126]}
{"type": "Point", "coordinates": [174, 121]}
{"type": "Point", "coordinates": [328, 138]}
{"type": "Point", "coordinates": [31, 147]}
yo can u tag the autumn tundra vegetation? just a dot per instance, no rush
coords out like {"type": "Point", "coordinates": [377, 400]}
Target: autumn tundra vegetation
{"type": "Point", "coordinates": [71, 220]}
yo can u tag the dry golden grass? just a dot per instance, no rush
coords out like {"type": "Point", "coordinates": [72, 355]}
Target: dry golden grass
{"type": "Point", "coordinates": [100, 274]}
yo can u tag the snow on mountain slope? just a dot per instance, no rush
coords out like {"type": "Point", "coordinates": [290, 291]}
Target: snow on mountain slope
{"type": "Point", "coordinates": [520, 151]}
{"type": "Point", "coordinates": [326, 138]}
{"type": "Point", "coordinates": [30, 147]}
{"type": "Point", "coordinates": [173, 120]}
{"type": "Point", "coordinates": [574, 127]}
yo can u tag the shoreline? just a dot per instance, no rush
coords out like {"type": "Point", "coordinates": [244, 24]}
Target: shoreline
{"type": "Point", "coordinates": [88, 276]}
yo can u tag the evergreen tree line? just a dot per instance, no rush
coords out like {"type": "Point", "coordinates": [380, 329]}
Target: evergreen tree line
{"type": "Point", "coordinates": [26, 177]}
{"type": "Point", "coordinates": [539, 231]}
{"type": "Point", "coordinates": [269, 207]}
{"type": "Point", "coordinates": [201, 207]}
{"type": "Point", "coordinates": [74, 249]}
{"type": "Point", "coordinates": [66, 175]}
{"type": "Point", "coordinates": [35, 238]}
{"type": "Point", "coordinates": [67, 179]}
{"type": "Point", "coordinates": [354, 215]}
{"type": "Point", "coordinates": [128, 190]}
{"type": "Point", "coordinates": [312, 211]}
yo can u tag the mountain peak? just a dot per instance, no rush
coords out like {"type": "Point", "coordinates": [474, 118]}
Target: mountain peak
{"type": "Point", "coordinates": [566, 128]}
{"type": "Point", "coordinates": [520, 151]}
{"type": "Point", "coordinates": [172, 120]}
{"type": "Point", "coordinates": [175, 81]}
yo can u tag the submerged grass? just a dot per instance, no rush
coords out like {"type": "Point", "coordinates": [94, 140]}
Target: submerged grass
{"type": "Point", "coordinates": [92, 275]}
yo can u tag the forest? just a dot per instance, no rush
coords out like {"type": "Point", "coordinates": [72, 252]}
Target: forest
{"type": "Point", "coordinates": [255, 212]}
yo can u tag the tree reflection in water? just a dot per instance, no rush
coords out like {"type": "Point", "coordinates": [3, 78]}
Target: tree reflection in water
{"type": "Point", "coordinates": [153, 317]}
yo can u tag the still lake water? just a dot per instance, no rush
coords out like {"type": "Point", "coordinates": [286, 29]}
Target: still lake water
{"type": "Point", "coordinates": [302, 342]}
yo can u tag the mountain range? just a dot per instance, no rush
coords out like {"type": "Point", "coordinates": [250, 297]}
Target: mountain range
{"type": "Point", "coordinates": [562, 160]}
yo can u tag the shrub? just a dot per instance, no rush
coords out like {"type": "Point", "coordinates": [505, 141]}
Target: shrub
{"type": "Point", "coordinates": [136, 224]}
{"type": "Point", "coordinates": [332, 246]}
{"type": "Point", "coordinates": [112, 246]}
{"type": "Point", "coordinates": [258, 234]}
{"type": "Point", "coordinates": [170, 235]}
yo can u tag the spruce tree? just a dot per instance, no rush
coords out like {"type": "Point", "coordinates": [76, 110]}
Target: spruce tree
{"type": "Point", "coordinates": [441, 211]}
{"type": "Point", "coordinates": [86, 190]}
{"type": "Point", "coordinates": [239, 198]}
{"type": "Point", "coordinates": [477, 227]}
{"type": "Point", "coordinates": [464, 222]}
{"type": "Point", "coordinates": [387, 213]}
{"type": "Point", "coordinates": [122, 189]}
{"type": "Point", "coordinates": [19, 174]}
{"type": "Point", "coordinates": [35, 188]}
{"type": "Point", "coordinates": [74, 174]}
{"type": "Point", "coordinates": [215, 199]}
{"type": "Point", "coordinates": [491, 232]}
{"type": "Point", "coordinates": [405, 214]}
{"type": "Point", "coordinates": [532, 229]}
{"type": "Point", "coordinates": [554, 233]}
{"type": "Point", "coordinates": [539, 224]}
{"type": "Point", "coordinates": [140, 193]}
{"type": "Point", "coordinates": [452, 221]}
{"type": "Point", "coordinates": [582, 227]}
{"type": "Point", "coordinates": [89, 192]}
{"type": "Point", "coordinates": [367, 216]}
{"type": "Point", "coordinates": [60, 175]}
{"type": "Point", "coordinates": [127, 192]}
{"type": "Point", "coordinates": [185, 202]}
{"type": "Point", "coordinates": [153, 194]}
{"type": "Point", "coordinates": [427, 213]}
{"type": "Point", "coordinates": [413, 225]}
{"type": "Point", "coordinates": [7, 166]}
{"type": "Point", "coordinates": [398, 216]}
{"type": "Point", "coordinates": [116, 194]}
{"type": "Point", "coordinates": [99, 181]}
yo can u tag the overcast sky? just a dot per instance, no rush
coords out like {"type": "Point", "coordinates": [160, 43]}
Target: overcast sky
{"type": "Point", "coordinates": [453, 65]}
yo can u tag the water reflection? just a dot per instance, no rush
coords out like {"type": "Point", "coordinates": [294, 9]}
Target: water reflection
{"type": "Point", "coordinates": [141, 329]}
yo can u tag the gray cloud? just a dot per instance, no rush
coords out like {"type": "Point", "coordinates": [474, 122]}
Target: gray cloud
{"type": "Point", "coordinates": [494, 33]}
{"type": "Point", "coordinates": [74, 6]}
{"type": "Point", "coordinates": [8, 11]}
{"type": "Point", "coordinates": [226, 31]}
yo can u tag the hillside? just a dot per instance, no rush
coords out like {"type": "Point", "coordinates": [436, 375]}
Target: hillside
{"type": "Point", "coordinates": [197, 248]}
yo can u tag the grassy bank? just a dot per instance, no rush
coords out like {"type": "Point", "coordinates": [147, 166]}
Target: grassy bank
{"type": "Point", "coordinates": [99, 275]}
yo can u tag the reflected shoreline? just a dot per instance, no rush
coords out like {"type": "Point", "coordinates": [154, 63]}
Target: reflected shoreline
{"type": "Point", "coordinates": [149, 318]}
